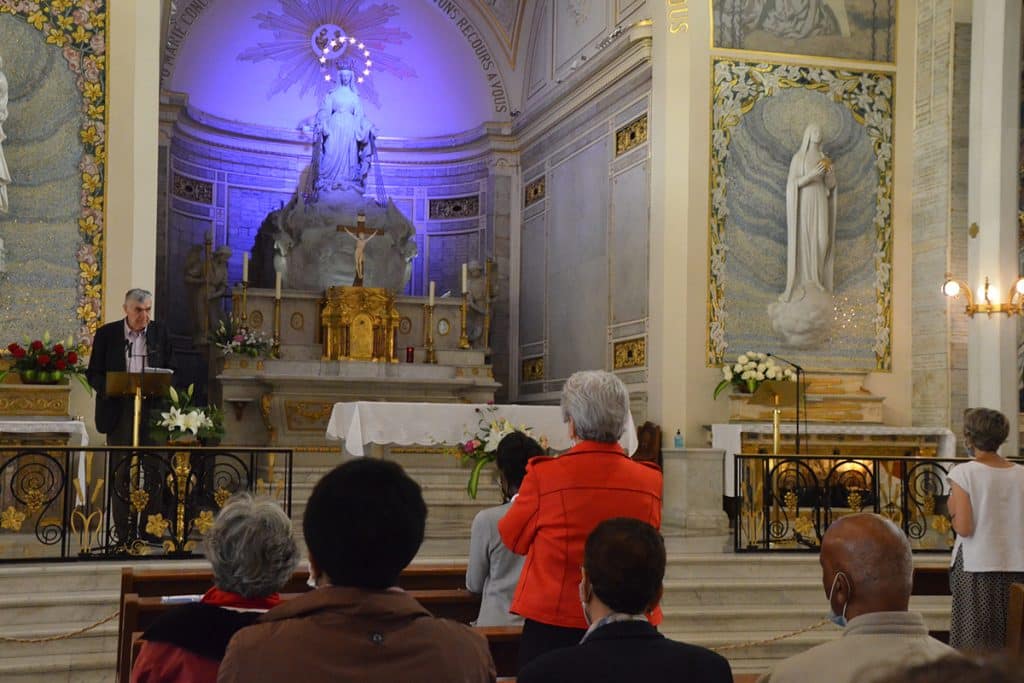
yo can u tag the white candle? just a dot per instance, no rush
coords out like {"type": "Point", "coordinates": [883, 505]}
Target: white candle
{"type": "Point", "coordinates": [277, 285]}
{"type": "Point", "coordinates": [245, 266]}
{"type": "Point", "coordinates": [431, 300]}
{"type": "Point", "coordinates": [465, 278]}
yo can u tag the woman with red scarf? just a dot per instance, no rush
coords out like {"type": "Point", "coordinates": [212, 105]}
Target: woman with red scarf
{"type": "Point", "coordinates": [253, 553]}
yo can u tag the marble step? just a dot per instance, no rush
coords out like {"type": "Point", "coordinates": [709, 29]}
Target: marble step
{"type": "Point", "coordinates": [63, 668]}
{"type": "Point", "coordinates": [98, 640]}
{"type": "Point", "coordinates": [54, 608]}
{"type": "Point", "coordinates": [760, 657]}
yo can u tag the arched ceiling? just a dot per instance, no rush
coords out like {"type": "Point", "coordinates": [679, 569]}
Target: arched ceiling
{"type": "Point", "coordinates": [438, 67]}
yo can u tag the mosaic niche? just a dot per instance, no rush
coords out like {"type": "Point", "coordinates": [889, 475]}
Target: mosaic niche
{"type": "Point", "coordinates": [767, 234]}
{"type": "Point", "coordinates": [53, 143]}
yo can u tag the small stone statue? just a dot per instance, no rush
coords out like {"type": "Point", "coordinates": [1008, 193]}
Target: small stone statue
{"type": "Point", "coordinates": [283, 243]}
{"type": "Point", "coordinates": [193, 277]}
{"type": "Point", "coordinates": [218, 284]}
{"type": "Point", "coordinates": [477, 301]}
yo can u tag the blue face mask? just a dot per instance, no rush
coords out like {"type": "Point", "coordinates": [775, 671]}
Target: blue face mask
{"type": "Point", "coordinates": [837, 619]}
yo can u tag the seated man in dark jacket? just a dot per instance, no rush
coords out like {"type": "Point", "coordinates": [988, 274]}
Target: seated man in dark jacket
{"type": "Point", "coordinates": [623, 569]}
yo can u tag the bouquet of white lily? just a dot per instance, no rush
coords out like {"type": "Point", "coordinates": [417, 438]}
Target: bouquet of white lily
{"type": "Point", "coordinates": [185, 422]}
{"type": "Point", "coordinates": [481, 448]}
{"type": "Point", "coordinates": [750, 369]}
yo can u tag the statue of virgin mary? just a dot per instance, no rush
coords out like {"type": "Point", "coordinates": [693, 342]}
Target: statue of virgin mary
{"type": "Point", "coordinates": [344, 138]}
{"type": "Point", "coordinates": [810, 219]}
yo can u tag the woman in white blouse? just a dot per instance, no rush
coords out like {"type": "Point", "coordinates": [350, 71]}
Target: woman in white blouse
{"type": "Point", "coordinates": [986, 505]}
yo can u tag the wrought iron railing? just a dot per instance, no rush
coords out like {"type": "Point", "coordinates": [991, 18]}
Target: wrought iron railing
{"type": "Point", "coordinates": [58, 502]}
{"type": "Point", "coordinates": [787, 502]}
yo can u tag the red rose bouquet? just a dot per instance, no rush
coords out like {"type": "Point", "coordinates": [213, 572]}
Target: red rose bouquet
{"type": "Point", "coordinates": [45, 362]}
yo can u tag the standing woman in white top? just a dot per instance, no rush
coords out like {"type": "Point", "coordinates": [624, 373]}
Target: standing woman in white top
{"type": "Point", "coordinates": [986, 504]}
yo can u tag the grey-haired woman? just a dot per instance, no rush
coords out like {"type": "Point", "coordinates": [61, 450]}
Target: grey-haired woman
{"type": "Point", "coordinates": [253, 553]}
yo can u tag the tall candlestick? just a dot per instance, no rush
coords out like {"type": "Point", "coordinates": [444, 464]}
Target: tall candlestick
{"type": "Point", "coordinates": [431, 299]}
{"type": "Point", "coordinates": [245, 266]}
{"type": "Point", "coordinates": [465, 278]}
{"type": "Point", "coordinates": [277, 285]}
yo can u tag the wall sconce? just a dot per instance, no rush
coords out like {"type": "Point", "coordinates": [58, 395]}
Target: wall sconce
{"type": "Point", "coordinates": [1014, 298]}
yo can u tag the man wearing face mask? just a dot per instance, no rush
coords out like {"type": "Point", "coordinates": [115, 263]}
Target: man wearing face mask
{"type": "Point", "coordinates": [623, 570]}
{"type": "Point", "coordinates": [867, 572]}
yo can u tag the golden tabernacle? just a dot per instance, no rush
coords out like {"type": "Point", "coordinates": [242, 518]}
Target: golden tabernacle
{"type": "Point", "coordinates": [359, 323]}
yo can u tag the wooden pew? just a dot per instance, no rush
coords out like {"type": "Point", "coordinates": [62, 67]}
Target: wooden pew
{"type": "Point", "coordinates": [1015, 621]}
{"type": "Point", "coordinates": [138, 613]}
{"type": "Point", "coordinates": [155, 583]}
{"type": "Point", "coordinates": [503, 642]}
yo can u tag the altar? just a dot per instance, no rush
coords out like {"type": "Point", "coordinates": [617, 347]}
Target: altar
{"type": "Point", "coordinates": [364, 422]}
{"type": "Point", "coordinates": [828, 439]}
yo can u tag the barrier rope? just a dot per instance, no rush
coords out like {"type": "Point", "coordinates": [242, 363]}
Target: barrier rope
{"type": "Point", "coordinates": [767, 641]}
{"type": "Point", "coordinates": [62, 636]}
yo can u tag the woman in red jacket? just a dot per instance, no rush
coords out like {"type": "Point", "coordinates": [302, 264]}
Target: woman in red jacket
{"type": "Point", "coordinates": [560, 502]}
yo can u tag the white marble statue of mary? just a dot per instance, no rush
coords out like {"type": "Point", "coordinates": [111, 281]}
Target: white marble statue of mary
{"type": "Point", "coordinates": [810, 218]}
{"type": "Point", "coordinates": [5, 173]}
{"type": "Point", "coordinates": [803, 312]}
{"type": "Point", "coordinates": [345, 138]}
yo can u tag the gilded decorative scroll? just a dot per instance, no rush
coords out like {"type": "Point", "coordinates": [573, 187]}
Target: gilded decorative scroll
{"type": "Point", "coordinates": [307, 416]}
{"type": "Point", "coordinates": [630, 353]}
{"type": "Point", "coordinates": [631, 136]}
{"type": "Point", "coordinates": [457, 207]}
{"type": "Point", "coordinates": [857, 103]}
{"type": "Point", "coordinates": [79, 29]}
{"type": "Point", "coordinates": [193, 190]}
{"type": "Point", "coordinates": [533, 369]}
{"type": "Point", "coordinates": [535, 191]}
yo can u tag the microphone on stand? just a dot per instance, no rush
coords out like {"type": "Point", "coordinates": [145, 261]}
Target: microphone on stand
{"type": "Point", "coordinates": [799, 393]}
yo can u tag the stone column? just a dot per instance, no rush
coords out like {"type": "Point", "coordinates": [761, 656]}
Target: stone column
{"type": "Point", "coordinates": [134, 77]}
{"type": "Point", "coordinates": [992, 203]}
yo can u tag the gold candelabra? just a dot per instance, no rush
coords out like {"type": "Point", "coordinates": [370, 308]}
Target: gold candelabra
{"type": "Point", "coordinates": [245, 303]}
{"type": "Point", "coordinates": [276, 349]}
{"type": "Point", "coordinates": [428, 333]}
{"type": "Point", "coordinates": [464, 314]}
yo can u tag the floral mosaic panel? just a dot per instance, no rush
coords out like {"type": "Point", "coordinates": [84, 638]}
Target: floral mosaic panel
{"type": "Point", "coordinates": [55, 63]}
{"type": "Point", "coordinates": [759, 112]}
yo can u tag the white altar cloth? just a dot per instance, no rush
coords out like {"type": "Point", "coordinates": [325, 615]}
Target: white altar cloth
{"type": "Point", "coordinates": [727, 437]}
{"type": "Point", "coordinates": [78, 436]}
{"type": "Point", "coordinates": [362, 422]}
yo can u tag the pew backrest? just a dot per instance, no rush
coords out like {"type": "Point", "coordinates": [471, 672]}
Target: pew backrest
{"type": "Point", "coordinates": [1015, 621]}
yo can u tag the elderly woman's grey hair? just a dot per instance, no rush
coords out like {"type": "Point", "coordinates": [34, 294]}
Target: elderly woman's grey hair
{"type": "Point", "coordinates": [598, 404]}
{"type": "Point", "coordinates": [251, 547]}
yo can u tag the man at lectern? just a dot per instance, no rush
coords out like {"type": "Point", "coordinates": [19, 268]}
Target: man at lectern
{"type": "Point", "coordinates": [133, 344]}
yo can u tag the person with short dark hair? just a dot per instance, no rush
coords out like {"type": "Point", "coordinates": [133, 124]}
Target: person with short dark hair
{"type": "Point", "coordinates": [363, 525]}
{"type": "Point", "coordinates": [623, 570]}
{"type": "Point", "coordinates": [253, 553]}
{"type": "Point", "coordinates": [493, 569]}
{"type": "Point", "coordinates": [986, 506]}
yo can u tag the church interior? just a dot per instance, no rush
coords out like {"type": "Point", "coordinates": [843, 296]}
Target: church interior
{"type": "Point", "coordinates": [352, 230]}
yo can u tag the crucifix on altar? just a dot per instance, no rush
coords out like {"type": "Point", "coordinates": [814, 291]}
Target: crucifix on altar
{"type": "Point", "coordinates": [362, 235]}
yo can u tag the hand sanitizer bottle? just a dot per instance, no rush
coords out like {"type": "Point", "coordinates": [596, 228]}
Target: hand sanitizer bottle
{"type": "Point", "coordinates": [677, 442]}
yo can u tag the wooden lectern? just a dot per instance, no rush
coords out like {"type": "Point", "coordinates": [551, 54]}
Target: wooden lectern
{"type": "Point", "coordinates": [154, 383]}
{"type": "Point", "coordinates": [777, 395]}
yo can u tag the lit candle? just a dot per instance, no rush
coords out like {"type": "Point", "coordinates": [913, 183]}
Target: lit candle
{"type": "Point", "coordinates": [277, 285]}
{"type": "Point", "coordinates": [245, 266]}
{"type": "Point", "coordinates": [465, 278]}
{"type": "Point", "coordinates": [431, 299]}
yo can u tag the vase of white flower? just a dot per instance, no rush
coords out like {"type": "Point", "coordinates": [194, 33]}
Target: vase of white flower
{"type": "Point", "coordinates": [183, 423]}
{"type": "Point", "coordinates": [749, 370]}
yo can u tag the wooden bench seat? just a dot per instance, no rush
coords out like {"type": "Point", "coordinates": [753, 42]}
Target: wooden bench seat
{"type": "Point", "coordinates": [138, 613]}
